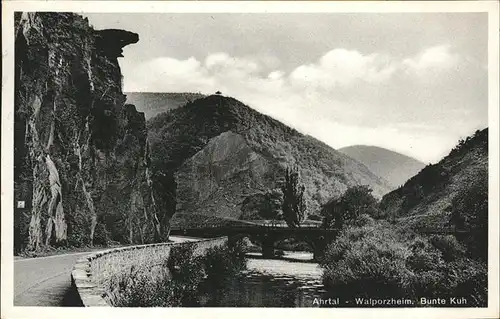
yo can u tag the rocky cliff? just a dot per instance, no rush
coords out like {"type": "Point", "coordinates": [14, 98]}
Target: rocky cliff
{"type": "Point", "coordinates": [218, 157]}
{"type": "Point", "coordinates": [81, 153]}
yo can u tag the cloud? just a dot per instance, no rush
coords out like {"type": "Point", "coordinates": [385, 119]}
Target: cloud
{"type": "Point", "coordinates": [223, 63]}
{"type": "Point", "coordinates": [276, 75]}
{"type": "Point", "coordinates": [167, 74]}
{"type": "Point", "coordinates": [344, 98]}
{"type": "Point", "coordinates": [341, 67]}
{"type": "Point", "coordinates": [437, 58]}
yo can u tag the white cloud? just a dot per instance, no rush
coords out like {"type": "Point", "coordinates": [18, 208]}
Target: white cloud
{"type": "Point", "coordinates": [233, 66]}
{"type": "Point", "coordinates": [276, 75]}
{"type": "Point", "coordinates": [433, 59]}
{"type": "Point", "coordinates": [341, 67]}
{"type": "Point", "coordinates": [166, 74]}
{"type": "Point", "coordinates": [311, 97]}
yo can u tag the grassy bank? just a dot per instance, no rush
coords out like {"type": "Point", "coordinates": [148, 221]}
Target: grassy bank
{"type": "Point", "coordinates": [178, 280]}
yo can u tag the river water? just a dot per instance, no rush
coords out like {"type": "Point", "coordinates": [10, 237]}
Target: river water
{"type": "Point", "coordinates": [271, 283]}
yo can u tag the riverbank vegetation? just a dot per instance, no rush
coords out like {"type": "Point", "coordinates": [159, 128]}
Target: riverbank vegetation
{"type": "Point", "coordinates": [373, 258]}
{"type": "Point", "coordinates": [379, 260]}
{"type": "Point", "coordinates": [179, 280]}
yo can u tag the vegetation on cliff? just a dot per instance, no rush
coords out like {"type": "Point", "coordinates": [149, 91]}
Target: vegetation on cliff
{"type": "Point", "coordinates": [427, 198]}
{"type": "Point", "coordinates": [391, 259]}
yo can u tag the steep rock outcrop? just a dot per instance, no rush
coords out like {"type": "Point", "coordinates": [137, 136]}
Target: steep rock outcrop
{"type": "Point", "coordinates": [81, 154]}
{"type": "Point", "coordinates": [215, 154]}
{"type": "Point", "coordinates": [216, 179]}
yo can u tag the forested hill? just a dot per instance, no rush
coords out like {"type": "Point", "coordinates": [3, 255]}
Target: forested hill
{"type": "Point", "coordinates": [216, 156]}
{"type": "Point", "coordinates": [439, 191]}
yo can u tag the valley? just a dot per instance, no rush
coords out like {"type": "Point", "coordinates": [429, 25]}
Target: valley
{"type": "Point", "coordinates": [95, 166]}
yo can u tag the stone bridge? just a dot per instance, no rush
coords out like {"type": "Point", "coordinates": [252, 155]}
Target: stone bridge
{"type": "Point", "coordinates": [268, 234]}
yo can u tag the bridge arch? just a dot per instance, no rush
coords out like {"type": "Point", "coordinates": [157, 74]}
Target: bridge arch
{"type": "Point", "coordinates": [317, 238]}
{"type": "Point", "coordinates": [269, 241]}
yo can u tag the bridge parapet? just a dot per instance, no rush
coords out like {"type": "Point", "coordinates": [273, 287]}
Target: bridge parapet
{"type": "Point", "coordinates": [92, 275]}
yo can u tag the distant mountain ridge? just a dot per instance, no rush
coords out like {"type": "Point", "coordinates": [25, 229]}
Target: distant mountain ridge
{"type": "Point", "coordinates": [216, 156]}
{"type": "Point", "coordinates": [429, 198]}
{"type": "Point", "coordinates": [395, 167]}
{"type": "Point", "coordinates": [154, 103]}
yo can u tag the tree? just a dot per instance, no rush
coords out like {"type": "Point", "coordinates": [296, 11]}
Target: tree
{"type": "Point", "coordinates": [293, 205]}
{"type": "Point", "coordinates": [270, 207]}
{"type": "Point", "coordinates": [356, 201]}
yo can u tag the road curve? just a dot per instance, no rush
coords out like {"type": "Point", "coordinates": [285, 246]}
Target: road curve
{"type": "Point", "coordinates": [46, 281]}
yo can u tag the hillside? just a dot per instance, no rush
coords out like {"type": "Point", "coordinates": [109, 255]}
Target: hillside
{"type": "Point", "coordinates": [80, 153]}
{"type": "Point", "coordinates": [394, 167]}
{"type": "Point", "coordinates": [430, 198]}
{"type": "Point", "coordinates": [216, 155]}
{"type": "Point", "coordinates": [152, 104]}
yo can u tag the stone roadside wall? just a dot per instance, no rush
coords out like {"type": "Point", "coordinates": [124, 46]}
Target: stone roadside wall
{"type": "Point", "coordinates": [91, 274]}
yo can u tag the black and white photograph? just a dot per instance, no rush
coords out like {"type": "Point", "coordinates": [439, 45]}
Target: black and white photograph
{"type": "Point", "coordinates": [250, 155]}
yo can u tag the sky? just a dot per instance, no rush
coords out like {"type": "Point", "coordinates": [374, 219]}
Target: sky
{"type": "Point", "coordinates": [414, 83]}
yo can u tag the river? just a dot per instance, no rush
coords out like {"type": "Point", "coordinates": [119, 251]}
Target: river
{"type": "Point", "coordinates": [271, 283]}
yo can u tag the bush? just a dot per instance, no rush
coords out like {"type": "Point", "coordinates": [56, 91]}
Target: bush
{"type": "Point", "coordinates": [222, 263]}
{"type": "Point", "coordinates": [469, 211]}
{"type": "Point", "coordinates": [433, 276]}
{"type": "Point", "coordinates": [138, 288]}
{"type": "Point", "coordinates": [178, 280]}
{"type": "Point", "coordinates": [356, 201]}
{"type": "Point", "coordinates": [379, 261]}
{"type": "Point", "coordinates": [363, 220]}
{"type": "Point", "coordinates": [170, 285]}
{"type": "Point", "coordinates": [186, 271]}
{"type": "Point", "coordinates": [366, 262]}
{"type": "Point", "coordinates": [423, 256]}
{"type": "Point", "coordinates": [471, 281]}
{"type": "Point", "coordinates": [448, 246]}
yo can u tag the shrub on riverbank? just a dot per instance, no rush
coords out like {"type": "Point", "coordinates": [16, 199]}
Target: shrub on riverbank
{"type": "Point", "coordinates": [378, 261]}
{"type": "Point", "coordinates": [367, 262]}
{"type": "Point", "coordinates": [176, 282]}
{"type": "Point", "coordinates": [221, 264]}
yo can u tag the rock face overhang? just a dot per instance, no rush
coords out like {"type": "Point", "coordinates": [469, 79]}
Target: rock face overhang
{"type": "Point", "coordinates": [81, 154]}
{"type": "Point", "coordinates": [112, 41]}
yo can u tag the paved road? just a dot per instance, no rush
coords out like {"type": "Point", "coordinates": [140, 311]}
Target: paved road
{"type": "Point", "coordinates": [46, 281]}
